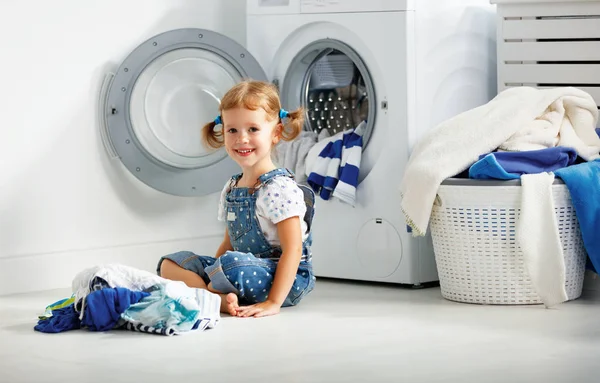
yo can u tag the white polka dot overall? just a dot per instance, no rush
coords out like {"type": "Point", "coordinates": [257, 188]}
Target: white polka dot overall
{"type": "Point", "coordinates": [249, 269]}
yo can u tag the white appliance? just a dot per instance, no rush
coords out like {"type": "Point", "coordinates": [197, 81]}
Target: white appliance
{"type": "Point", "coordinates": [403, 66]}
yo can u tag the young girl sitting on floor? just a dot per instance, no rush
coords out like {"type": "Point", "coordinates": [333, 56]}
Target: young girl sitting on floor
{"type": "Point", "coordinates": [265, 258]}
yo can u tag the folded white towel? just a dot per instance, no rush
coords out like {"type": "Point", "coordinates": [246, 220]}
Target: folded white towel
{"type": "Point", "coordinates": [537, 235]}
{"type": "Point", "coordinates": [457, 143]}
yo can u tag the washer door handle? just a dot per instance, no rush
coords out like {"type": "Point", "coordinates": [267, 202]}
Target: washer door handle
{"type": "Point", "coordinates": [103, 111]}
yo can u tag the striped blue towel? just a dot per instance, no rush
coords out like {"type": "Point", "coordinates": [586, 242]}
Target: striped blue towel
{"type": "Point", "coordinates": [335, 171]}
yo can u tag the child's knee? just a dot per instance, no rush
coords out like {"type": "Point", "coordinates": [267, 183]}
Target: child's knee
{"type": "Point", "coordinates": [167, 267]}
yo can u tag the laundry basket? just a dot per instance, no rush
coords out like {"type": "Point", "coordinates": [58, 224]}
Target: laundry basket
{"type": "Point", "coordinates": [473, 227]}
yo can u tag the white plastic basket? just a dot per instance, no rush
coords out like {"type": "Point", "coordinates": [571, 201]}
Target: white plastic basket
{"type": "Point", "coordinates": [473, 227]}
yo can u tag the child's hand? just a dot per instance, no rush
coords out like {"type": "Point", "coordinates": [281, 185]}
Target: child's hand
{"type": "Point", "coordinates": [257, 310]}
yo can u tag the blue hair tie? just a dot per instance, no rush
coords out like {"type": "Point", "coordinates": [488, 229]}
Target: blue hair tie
{"type": "Point", "coordinates": [218, 120]}
{"type": "Point", "coordinates": [283, 113]}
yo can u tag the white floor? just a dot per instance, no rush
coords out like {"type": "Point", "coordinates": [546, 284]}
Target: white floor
{"type": "Point", "coordinates": [342, 332]}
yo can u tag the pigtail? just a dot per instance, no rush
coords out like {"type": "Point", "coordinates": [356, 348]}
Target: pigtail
{"type": "Point", "coordinates": [293, 124]}
{"type": "Point", "coordinates": [211, 137]}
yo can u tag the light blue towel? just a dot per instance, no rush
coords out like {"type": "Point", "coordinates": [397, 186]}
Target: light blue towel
{"type": "Point", "coordinates": [583, 182]}
{"type": "Point", "coordinates": [175, 308]}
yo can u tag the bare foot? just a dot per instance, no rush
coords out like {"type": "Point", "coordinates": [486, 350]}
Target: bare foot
{"type": "Point", "coordinates": [229, 304]}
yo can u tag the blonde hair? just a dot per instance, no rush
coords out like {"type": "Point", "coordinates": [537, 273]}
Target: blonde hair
{"type": "Point", "coordinates": [253, 95]}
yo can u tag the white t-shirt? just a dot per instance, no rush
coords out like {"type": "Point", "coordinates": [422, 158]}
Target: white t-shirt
{"type": "Point", "coordinates": [278, 200]}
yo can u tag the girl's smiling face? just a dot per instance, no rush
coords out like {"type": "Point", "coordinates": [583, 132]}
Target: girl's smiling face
{"type": "Point", "coordinates": [249, 137]}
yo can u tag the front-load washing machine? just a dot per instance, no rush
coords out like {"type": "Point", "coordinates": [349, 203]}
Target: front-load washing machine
{"type": "Point", "coordinates": [401, 66]}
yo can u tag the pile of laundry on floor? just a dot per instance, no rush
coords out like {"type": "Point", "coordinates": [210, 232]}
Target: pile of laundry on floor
{"type": "Point", "coordinates": [328, 164]}
{"type": "Point", "coordinates": [115, 296]}
{"type": "Point", "coordinates": [523, 133]}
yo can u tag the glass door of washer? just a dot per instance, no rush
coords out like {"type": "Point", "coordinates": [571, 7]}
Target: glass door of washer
{"type": "Point", "coordinates": [332, 83]}
{"type": "Point", "coordinates": [158, 100]}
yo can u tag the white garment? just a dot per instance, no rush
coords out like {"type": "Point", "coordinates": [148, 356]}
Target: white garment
{"type": "Point", "coordinates": [457, 143]}
{"type": "Point", "coordinates": [537, 235]}
{"type": "Point", "coordinates": [115, 275]}
{"type": "Point", "coordinates": [559, 126]}
{"type": "Point", "coordinates": [276, 201]}
{"type": "Point", "coordinates": [292, 154]}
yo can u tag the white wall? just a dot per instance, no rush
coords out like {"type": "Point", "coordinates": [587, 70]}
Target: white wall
{"type": "Point", "coordinates": [64, 205]}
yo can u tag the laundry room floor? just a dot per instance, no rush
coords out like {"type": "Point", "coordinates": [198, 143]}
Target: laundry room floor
{"type": "Point", "coordinates": [342, 332]}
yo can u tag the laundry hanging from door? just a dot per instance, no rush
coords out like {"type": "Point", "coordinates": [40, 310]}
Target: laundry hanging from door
{"type": "Point", "coordinates": [292, 154]}
{"type": "Point", "coordinates": [334, 171]}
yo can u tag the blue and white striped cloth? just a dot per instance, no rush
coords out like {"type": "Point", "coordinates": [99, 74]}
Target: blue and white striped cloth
{"type": "Point", "coordinates": [335, 171]}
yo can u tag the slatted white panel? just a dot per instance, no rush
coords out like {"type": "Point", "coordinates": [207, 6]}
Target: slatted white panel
{"type": "Point", "coordinates": [548, 8]}
{"type": "Point", "coordinates": [568, 28]}
{"type": "Point", "coordinates": [549, 43]}
{"type": "Point", "coordinates": [551, 51]}
{"type": "Point", "coordinates": [552, 73]}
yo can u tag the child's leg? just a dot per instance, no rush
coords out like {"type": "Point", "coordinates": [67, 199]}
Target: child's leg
{"type": "Point", "coordinates": [171, 270]}
{"type": "Point", "coordinates": [251, 278]}
{"type": "Point", "coordinates": [188, 268]}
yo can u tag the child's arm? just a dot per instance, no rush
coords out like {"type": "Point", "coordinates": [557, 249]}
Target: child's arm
{"type": "Point", "coordinates": [290, 237]}
{"type": "Point", "coordinates": [225, 245]}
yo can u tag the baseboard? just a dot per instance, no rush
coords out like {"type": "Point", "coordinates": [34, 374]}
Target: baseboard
{"type": "Point", "coordinates": [21, 274]}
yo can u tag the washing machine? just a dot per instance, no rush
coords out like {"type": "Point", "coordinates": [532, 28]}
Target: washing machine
{"type": "Point", "coordinates": [401, 66]}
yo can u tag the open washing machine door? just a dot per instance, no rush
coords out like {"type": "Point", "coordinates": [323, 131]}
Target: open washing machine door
{"type": "Point", "coordinates": [154, 106]}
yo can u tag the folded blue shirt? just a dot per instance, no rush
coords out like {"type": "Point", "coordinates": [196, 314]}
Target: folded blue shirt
{"type": "Point", "coordinates": [510, 165]}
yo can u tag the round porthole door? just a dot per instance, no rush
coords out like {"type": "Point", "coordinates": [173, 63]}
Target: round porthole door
{"type": "Point", "coordinates": [154, 107]}
{"type": "Point", "coordinates": [333, 84]}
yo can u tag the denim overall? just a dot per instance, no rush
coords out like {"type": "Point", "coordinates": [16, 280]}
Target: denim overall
{"type": "Point", "coordinates": [249, 269]}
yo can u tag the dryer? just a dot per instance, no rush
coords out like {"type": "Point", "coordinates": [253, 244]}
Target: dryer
{"type": "Point", "coordinates": [403, 66]}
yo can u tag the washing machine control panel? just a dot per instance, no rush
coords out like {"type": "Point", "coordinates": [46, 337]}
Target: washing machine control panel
{"type": "Point", "coordinates": [274, 3]}
{"type": "Point", "coordinates": [339, 6]}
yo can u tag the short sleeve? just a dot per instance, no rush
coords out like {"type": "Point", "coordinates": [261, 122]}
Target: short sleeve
{"type": "Point", "coordinates": [281, 199]}
{"type": "Point", "coordinates": [221, 212]}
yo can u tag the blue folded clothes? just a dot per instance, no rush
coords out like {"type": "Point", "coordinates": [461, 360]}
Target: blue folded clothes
{"type": "Point", "coordinates": [583, 182]}
{"type": "Point", "coordinates": [510, 165]}
{"type": "Point", "coordinates": [62, 319]}
{"type": "Point", "coordinates": [103, 308]}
